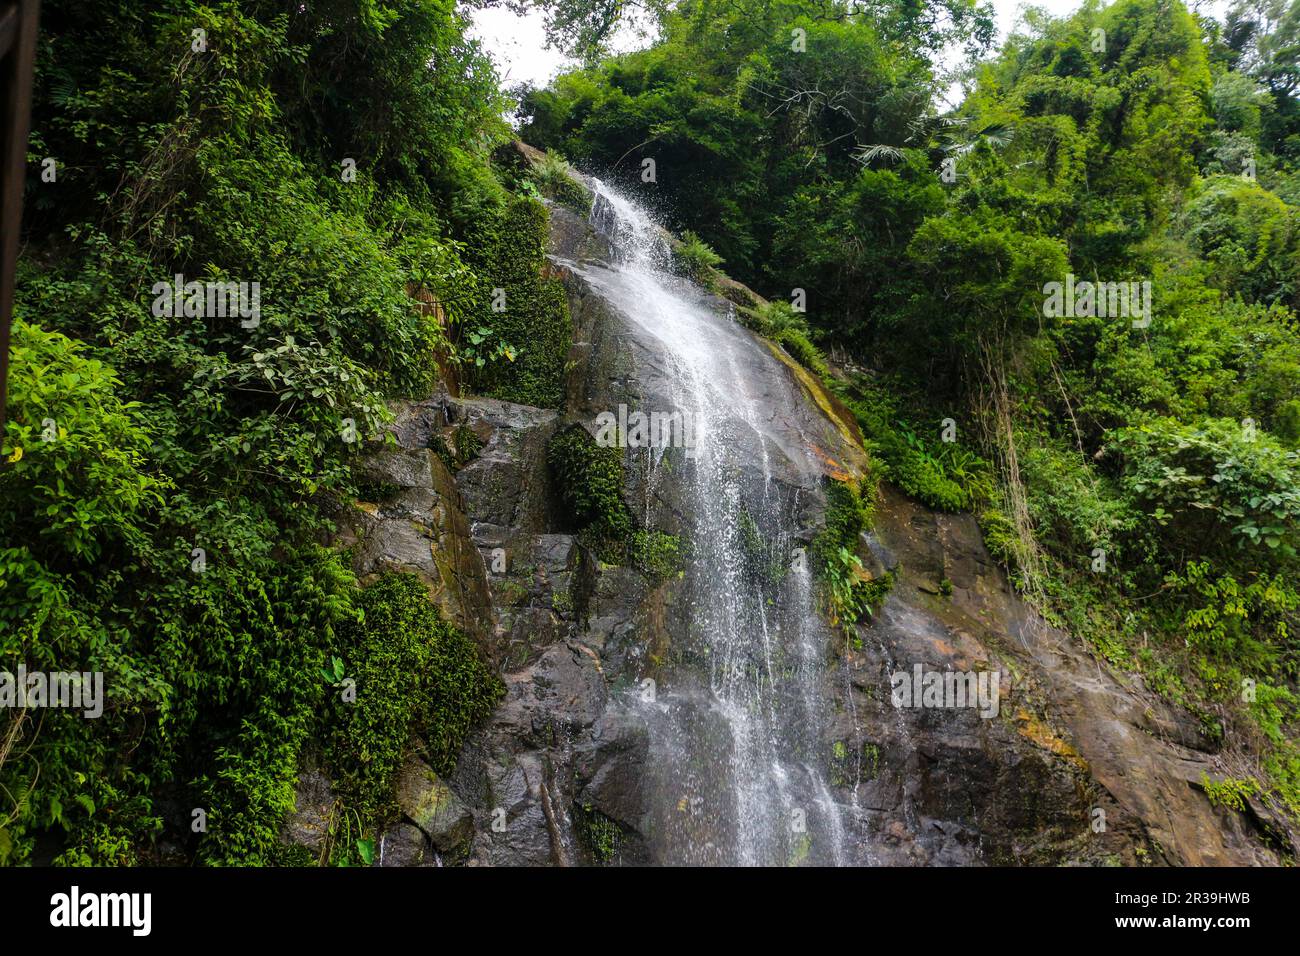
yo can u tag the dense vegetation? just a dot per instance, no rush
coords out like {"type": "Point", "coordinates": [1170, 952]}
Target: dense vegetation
{"type": "Point", "coordinates": [169, 477]}
{"type": "Point", "coordinates": [1140, 477]}
{"type": "Point", "coordinates": [590, 487]}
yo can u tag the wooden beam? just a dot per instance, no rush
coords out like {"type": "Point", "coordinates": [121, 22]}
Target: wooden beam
{"type": "Point", "coordinates": [17, 25]}
{"type": "Point", "coordinates": [8, 28]}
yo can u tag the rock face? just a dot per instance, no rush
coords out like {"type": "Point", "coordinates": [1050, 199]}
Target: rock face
{"type": "Point", "coordinates": [309, 824]}
{"type": "Point", "coordinates": [1078, 765]}
{"type": "Point", "coordinates": [429, 805]}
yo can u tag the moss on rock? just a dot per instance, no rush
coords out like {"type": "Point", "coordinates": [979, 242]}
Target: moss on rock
{"type": "Point", "coordinates": [415, 676]}
{"type": "Point", "coordinates": [850, 591]}
{"type": "Point", "coordinates": [520, 307]}
{"type": "Point", "coordinates": [590, 482]}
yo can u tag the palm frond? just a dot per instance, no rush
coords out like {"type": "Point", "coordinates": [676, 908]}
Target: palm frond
{"type": "Point", "coordinates": [869, 154]}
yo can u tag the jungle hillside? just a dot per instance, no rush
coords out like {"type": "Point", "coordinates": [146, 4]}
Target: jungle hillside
{"type": "Point", "coordinates": [1066, 304]}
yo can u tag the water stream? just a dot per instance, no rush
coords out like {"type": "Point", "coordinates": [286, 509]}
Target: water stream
{"type": "Point", "coordinates": [738, 726]}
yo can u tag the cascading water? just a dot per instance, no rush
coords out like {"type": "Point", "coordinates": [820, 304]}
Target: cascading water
{"type": "Point", "coordinates": [738, 726]}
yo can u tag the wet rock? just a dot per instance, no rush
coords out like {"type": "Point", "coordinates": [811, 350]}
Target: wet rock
{"type": "Point", "coordinates": [309, 824]}
{"type": "Point", "coordinates": [518, 765]}
{"type": "Point", "coordinates": [404, 844]}
{"type": "Point", "coordinates": [877, 560]}
{"type": "Point", "coordinates": [403, 467]}
{"type": "Point", "coordinates": [612, 768]}
{"type": "Point", "coordinates": [1073, 745]}
{"type": "Point", "coordinates": [432, 807]}
{"type": "Point", "coordinates": [630, 621]}
{"type": "Point", "coordinates": [573, 240]}
{"type": "Point", "coordinates": [532, 591]}
{"type": "Point", "coordinates": [508, 484]}
{"type": "Point", "coordinates": [421, 524]}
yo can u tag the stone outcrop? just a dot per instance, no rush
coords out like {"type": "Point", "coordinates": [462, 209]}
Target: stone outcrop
{"type": "Point", "coordinates": [1080, 765]}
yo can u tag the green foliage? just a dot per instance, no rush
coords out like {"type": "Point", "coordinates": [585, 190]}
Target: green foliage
{"type": "Point", "coordinates": [999, 533]}
{"type": "Point", "coordinates": [555, 178]}
{"type": "Point", "coordinates": [76, 478]}
{"type": "Point", "coordinates": [851, 593]}
{"type": "Point", "coordinates": [1073, 509]}
{"type": "Point", "coordinates": [1218, 483]}
{"type": "Point", "coordinates": [1239, 103]}
{"type": "Point", "coordinates": [765, 562]}
{"type": "Point", "coordinates": [779, 322]}
{"type": "Point", "coordinates": [518, 325]}
{"type": "Point", "coordinates": [1068, 159]}
{"type": "Point", "coordinates": [847, 516]}
{"type": "Point", "coordinates": [467, 443]}
{"type": "Point", "coordinates": [739, 128]}
{"type": "Point", "coordinates": [695, 259]}
{"type": "Point", "coordinates": [1230, 792]}
{"type": "Point", "coordinates": [166, 478]}
{"type": "Point", "coordinates": [415, 676]}
{"type": "Point", "coordinates": [1249, 237]}
{"type": "Point", "coordinates": [772, 319]}
{"type": "Point", "coordinates": [657, 553]}
{"type": "Point", "coordinates": [602, 836]}
{"type": "Point", "coordinates": [804, 352]}
{"type": "Point", "coordinates": [167, 531]}
{"type": "Point", "coordinates": [942, 474]}
{"type": "Point", "coordinates": [1247, 621]}
{"type": "Point", "coordinates": [589, 483]}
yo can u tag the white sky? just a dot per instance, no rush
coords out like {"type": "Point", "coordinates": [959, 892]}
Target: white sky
{"type": "Point", "coordinates": [518, 44]}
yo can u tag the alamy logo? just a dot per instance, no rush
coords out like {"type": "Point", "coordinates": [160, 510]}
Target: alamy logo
{"type": "Point", "coordinates": [74, 691]}
{"type": "Point", "coordinates": [947, 690]}
{"type": "Point", "coordinates": [213, 300]}
{"type": "Point", "coordinates": [1101, 300]}
{"type": "Point", "coordinates": [134, 910]}
{"type": "Point", "coordinates": [642, 430]}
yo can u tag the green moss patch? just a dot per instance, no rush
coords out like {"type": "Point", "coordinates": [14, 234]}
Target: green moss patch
{"type": "Point", "coordinates": [590, 482]}
{"type": "Point", "coordinates": [516, 337]}
{"type": "Point", "coordinates": [850, 592]}
{"type": "Point", "coordinates": [415, 675]}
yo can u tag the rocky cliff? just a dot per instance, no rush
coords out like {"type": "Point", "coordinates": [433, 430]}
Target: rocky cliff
{"type": "Point", "coordinates": [1080, 765]}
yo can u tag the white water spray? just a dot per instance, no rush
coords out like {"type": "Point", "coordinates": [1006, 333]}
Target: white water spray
{"type": "Point", "coordinates": [738, 734]}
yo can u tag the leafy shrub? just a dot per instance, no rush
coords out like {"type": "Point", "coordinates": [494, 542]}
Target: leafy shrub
{"type": "Point", "coordinates": [1249, 620]}
{"type": "Point", "coordinates": [773, 318]}
{"type": "Point", "coordinates": [415, 675]}
{"type": "Point", "coordinates": [1250, 237]}
{"type": "Point", "coordinates": [695, 259]}
{"type": "Point", "coordinates": [805, 353]}
{"type": "Point", "coordinates": [525, 345]}
{"type": "Point", "coordinates": [76, 477]}
{"type": "Point", "coordinates": [1220, 483]}
{"type": "Point", "coordinates": [943, 475]}
{"type": "Point", "coordinates": [655, 552]}
{"type": "Point", "coordinates": [1073, 509]}
{"type": "Point", "coordinates": [555, 178]}
{"type": "Point", "coordinates": [999, 533]}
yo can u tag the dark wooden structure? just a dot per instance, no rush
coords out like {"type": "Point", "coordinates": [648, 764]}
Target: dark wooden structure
{"type": "Point", "coordinates": [17, 56]}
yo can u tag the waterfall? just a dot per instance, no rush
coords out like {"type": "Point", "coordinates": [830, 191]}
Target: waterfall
{"type": "Point", "coordinates": [738, 725]}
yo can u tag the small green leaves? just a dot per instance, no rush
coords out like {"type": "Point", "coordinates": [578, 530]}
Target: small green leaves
{"type": "Point", "coordinates": [333, 672]}
{"type": "Point", "coordinates": [366, 850]}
